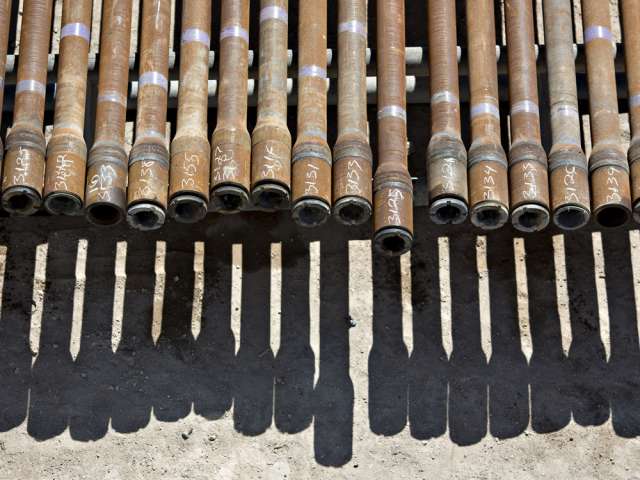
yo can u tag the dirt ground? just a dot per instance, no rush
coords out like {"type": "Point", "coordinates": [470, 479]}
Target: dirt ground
{"type": "Point", "coordinates": [291, 355]}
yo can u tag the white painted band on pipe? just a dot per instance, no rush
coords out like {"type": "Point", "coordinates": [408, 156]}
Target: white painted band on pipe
{"type": "Point", "coordinates": [31, 86]}
{"type": "Point", "coordinates": [195, 35]}
{"type": "Point", "coordinates": [315, 71]}
{"type": "Point", "coordinates": [274, 13]}
{"type": "Point", "coordinates": [395, 111]}
{"type": "Point", "coordinates": [353, 26]}
{"type": "Point", "coordinates": [234, 31]}
{"type": "Point", "coordinates": [112, 96]}
{"type": "Point", "coordinates": [525, 106]}
{"type": "Point", "coordinates": [485, 108]}
{"type": "Point", "coordinates": [153, 78]}
{"type": "Point", "coordinates": [76, 30]}
{"type": "Point", "coordinates": [445, 96]}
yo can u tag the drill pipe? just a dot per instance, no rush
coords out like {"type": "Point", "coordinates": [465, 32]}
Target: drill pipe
{"type": "Point", "coordinates": [23, 178]}
{"type": "Point", "coordinates": [67, 150]}
{"type": "Point", "coordinates": [271, 140]}
{"type": "Point", "coordinates": [353, 160]}
{"type": "Point", "coordinates": [393, 189]}
{"type": "Point", "coordinates": [488, 179]}
{"type": "Point", "coordinates": [231, 143]}
{"type": "Point", "coordinates": [106, 190]}
{"type": "Point", "coordinates": [149, 157]}
{"type": "Point", "coordinates": [311, 154]}
{"type": "Point", "coordinates": [190, 151]}
{"type": "Point", "coordinates": [568, 169]}
{"type": "Point", "coordinates": [608, 162]}
{"type": "Point", "coordinates": [446, 155]}
{"type": "Point", "coordinates": [5, 26]}
{"type": "Point", "coordinates": [528, 171]}
{"type": "Point", "coordinates": [631, 20]}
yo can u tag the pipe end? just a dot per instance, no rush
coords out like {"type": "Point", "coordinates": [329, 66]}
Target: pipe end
{"type": "Point", "coordinates": [489, 216]}
{"type": "Point", "coordinates": [636, 212]}
{"type": "Point", "coordinates": [311, 213]}
{"type": "Point", "coordinates": [271, 197]}
{"type": "Point", "coordinates": [21, 200]}
{"type": "Point", "coordinates": [448, 211]}
{"type": "Point", "coordinates": [352, 211]}
{"type": "Point", "coordinates": [146, 217]}
{"type": "Point", "coordinates": [62, 203]}
{"type": "Point", "coordinates": [571, 217]}
{"type": "Point", "coordinates": [393, 241]}
{"type": "Point", "coordinates": [612, 216]}
{"type": "Point", "coordinates": [104, 214]}
{"type": "Point", "coordinates": [530, 218]}
{"type": "Point", "coordinates": [229, 199]}
{"type": "Point", "coordinates": [188, 208]}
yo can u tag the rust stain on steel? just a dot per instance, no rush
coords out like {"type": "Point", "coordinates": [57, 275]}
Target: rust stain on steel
{"type": "Point", "coordinates": [488, 179]}
{"type": "Point", "coordinates": [67, 150]}
{"type": "Point", "coordinates": [311, 170]}
{"type": "Point", "coordinates": [190, 151]}
{"type": "Point", "coordinates": [271, 140]}
{"type": "Point", "coordinates": [5, 27]}
{"type": "Point", "coordinates": [231, 143]}
{"type": "Point", "coordinates": [446, 155]}
{"type": "Point", "coordinates": [106, 186]}
{"type": "Point", "coordinates": [393, 189]}
{"type": "Point", "coordinates": [149, 158]}
{"type": "Point", "coordinates": [631, 21]}
{"type": "Point", "coordinates": [24, 164]}
{"type": "Point", "coordinates": [610, 186]}
{"type": "Point", "coordinates": [528, 171]}
{"type": "Point", "coordinates": [568, 170]}
{"type": "Point", "coordinates": [353, 160]}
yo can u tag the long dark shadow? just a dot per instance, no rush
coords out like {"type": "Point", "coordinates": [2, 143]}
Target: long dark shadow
{"type": "Point", "coordinates": [173, 375]}
{"type": "Point", "coordinates": [93, 372]}
{"type": "Point", "coordinates": [135, 359]}
{"type": "Point", "coordinates": [51, 374]}
{"type": "Point", "coordinates": [468, 362]}
{"type": "Point", "coordinates": [215, 345]}
{"type": "Point", "coordinates": [548, 368]}
{"type": "Point", "coordinates": [587, 358]}
{"type": "Point", "coordinates": [333, 396]}
{"type": "Point", "coordinates": [253, 398]}
{"type": "Point", "coordinates": [508, 384]}
{"type": "Point", "coordinates": [428, 363]}
{"type": "Point", "coordinates": [388, 358]}
{"type": "Point", "coordinates": [295, 360]}
{"type": "Point", "coordinates": [624, 363]}
{"type": "Point", "coordinates": [15, 354]}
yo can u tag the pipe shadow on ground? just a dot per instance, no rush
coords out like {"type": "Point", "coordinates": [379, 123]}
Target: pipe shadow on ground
{"type": "Point", "coordinates": [467, 394]}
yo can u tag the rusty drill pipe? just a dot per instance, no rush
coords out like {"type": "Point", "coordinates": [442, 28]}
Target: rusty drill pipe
{"type": "Point", "coordinates": [353, 160]}
{"type": "Point", "coordinates": [149, 158]}
{"type": "Point", "coordinates": [631, 20]}
{"type": "Point", "coordinates": [568, 169]}
{"type": "Point", "coordinates": [311, 162]}
{"type": "Point", "coordinates": [106, 189]}
{"type": "Point", "coordinates": [5, 27]}
{"type": "Point", "coordinates": [271, 140]}
{"type": "Point", "coordinates": [393, 189]}
{"type": "Point", "coordinates": [23, 178]}
{"type": "Point", "coordinates": [488, 178]}
{"type": "Point", "coordinates": [611, 192]}
{"type": "Point", "coordinates": [446, 155]}
{"type": "Point", "coordinates": [528, 170]}
{"type": "Point", "coordinates": [231, 143]}
{"type": "Point", "coordinates": [190, 151]}
{"type": "Point", "coordinates": [67, 151]}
